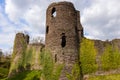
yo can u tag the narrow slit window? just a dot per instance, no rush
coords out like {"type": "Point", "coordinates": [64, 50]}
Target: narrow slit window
{"type": "Point", "coordinates": [55, 57]}
{"type": "Point", "coordinates": [63, 42]}
{"type": "Point", "coordinates": [47, 29]}
{"type": "Point", "coordinates": [76, 30]}
{"type": "Point", "coordinates": [53, 12]}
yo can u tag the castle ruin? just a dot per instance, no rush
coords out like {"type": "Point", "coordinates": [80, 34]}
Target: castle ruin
{"type": "Point", "coordinates": [63, 34]}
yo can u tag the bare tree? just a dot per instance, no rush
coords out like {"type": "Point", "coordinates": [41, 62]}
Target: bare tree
{"type": "Point", "coordinates": [37, 40]}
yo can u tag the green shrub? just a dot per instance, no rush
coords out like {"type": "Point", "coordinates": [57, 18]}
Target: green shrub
{"type": "Point", "coordinates": [3, 72]}
{"type": "Point", "coordinates": [88, 56]}
{"type": "Point", "coordinates": [110, 58]}
{"type": "Point", "coordinates": [50, 70]}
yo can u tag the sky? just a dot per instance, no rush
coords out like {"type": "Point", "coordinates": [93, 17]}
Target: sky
{"type": "Point", "coordinates": [99, 18]}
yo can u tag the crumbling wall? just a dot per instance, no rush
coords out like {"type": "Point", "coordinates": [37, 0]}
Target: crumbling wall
{"type": "Point", "coordinates": [32, 56]}
{"type": "Point", "coordinates": [101, 47]}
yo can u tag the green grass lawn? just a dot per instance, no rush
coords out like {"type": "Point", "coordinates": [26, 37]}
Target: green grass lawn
{"type": "Point", "coordinates": [108, 77]}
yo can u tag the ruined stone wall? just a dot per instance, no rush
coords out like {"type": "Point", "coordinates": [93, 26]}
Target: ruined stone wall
{"type": "Point", "coordinates": [25, 56]}
{"type": "Point", "coordinates": [105, 56]}
{"type": "Point", "coordinates": [33, 61]}
{"type": "Point", "coordinates": [63, 30]}
{"type": "Point", "coordinates": [100, 46]}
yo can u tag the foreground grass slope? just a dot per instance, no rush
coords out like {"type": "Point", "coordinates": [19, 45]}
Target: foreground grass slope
{"type": "Point", "coordinates": [3, 72]}
{"type": "Point", "coordinates": [107, 77]}
{"type": "Point", "coordinates": [26, 75]}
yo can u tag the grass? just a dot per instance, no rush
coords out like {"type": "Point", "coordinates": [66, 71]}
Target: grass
{"type": "Point", "coordinates": [108, 77]}
{"type": "Point", "coordinates": [27, 75]}
{"type": "Point", "coordinates": [3, 72]}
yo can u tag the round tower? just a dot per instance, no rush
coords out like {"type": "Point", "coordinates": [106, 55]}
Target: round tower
{"type": "Point", "coordinates": [62, 35]}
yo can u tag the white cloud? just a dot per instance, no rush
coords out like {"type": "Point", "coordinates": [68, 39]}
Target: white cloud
{"type": "Point", "coordinates": [33, 12]}
{"type": "Point", "coordinates": [101, 19]}
{"type": "Point", "coordinates": [6, 41]}
{"type": "Point", "coordinates": [16, 8]}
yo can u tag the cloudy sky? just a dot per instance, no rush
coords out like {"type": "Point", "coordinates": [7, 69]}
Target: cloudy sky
{"type": "Point", "coordinates": [100, 19]}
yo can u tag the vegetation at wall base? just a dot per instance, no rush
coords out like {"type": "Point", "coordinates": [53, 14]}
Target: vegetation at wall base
{"type": "Point", "coordinates": [75, 73]}
{"type": "Point", "coordinates": [50, 70]}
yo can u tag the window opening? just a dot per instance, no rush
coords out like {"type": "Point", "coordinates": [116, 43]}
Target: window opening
{"type": "Point", "coordinates": [55, 57]}
{"type": "Point", "coordinates": [63, 42]}
{"type": "Point", "coordinates": [47, 29]}
{"type": "Point", "coordinates": [53, 12]}
{"type": "Point", "coordinates": [76, 30]}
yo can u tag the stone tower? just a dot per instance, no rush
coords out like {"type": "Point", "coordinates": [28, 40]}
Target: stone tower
{"type": "Point", "coordinates": [20, 45]}
{"type": "Point", "coordinates": [63, 34]}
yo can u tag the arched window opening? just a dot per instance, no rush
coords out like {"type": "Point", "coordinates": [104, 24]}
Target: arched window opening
{"type": "Point", "coordinates": [53, 12]}
{"type": "Point", "coordinates": [63, 42]}
{"type": "Point", "coordinates": [55, 57]}
{"type": "Point", "coordinates": [47, 29]}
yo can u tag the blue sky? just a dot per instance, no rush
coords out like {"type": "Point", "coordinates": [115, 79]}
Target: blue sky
{"type": "Point", "coordinates": [100, 19]}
